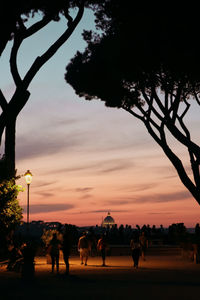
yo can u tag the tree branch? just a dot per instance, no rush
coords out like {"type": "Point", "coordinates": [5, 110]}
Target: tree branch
{"type": "Point", "coordinates": [196, 98]}
{"type": "Point", "coordinates": [3, 102]}
{"type": "Point", "coordinates": [150, 104]}
{"type": "Point", "coordinates": [176, 103]}
{"type": "Point", "coordinates": [37, 26]}
{"type": "Point", "coordinates": [157, 99]}
{"type": "Point", "coordinates": [40, 61]}
{"type": "Point", "coordinates": [194, 162]}
{"type": "Point", "coordinates": [13, 60]}
{"type": "Point", "coordinates": [133, 113]}
{"type": "Point", "coordinates": [176, 163]}
{"type": "Point", "coordinates": [186, 109]}
{"type": "Point", "coordinates": [2, 124]}
{"type": "Point", "coordinates": [21, 34]}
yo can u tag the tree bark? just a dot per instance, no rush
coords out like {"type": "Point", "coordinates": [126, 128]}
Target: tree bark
{"type": "Point", "coordinates": [10, 148]}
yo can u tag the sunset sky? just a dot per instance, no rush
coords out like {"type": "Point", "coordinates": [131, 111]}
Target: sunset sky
{"type": "Point", "coordinates": [88, 159]}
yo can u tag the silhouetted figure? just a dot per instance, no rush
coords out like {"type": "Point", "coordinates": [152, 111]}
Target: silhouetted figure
{"type": "Point", "coordinates": [197, 230]}
{"type": "Point", "coordinates": [101, 246]}
{"type": "Point", "coordinates": [84, 247]}
{"type": "Point", "coordinates": [54, 252]}
{"type": "Point", "coordinates": [66, 247]}
{"type": "Point", "coordinates": [138, 228]}
{"type": "Point", "coordinates": [196, 245]}
{"type": "Point", "coordinates": [15, 259]}
{"type": "Point", "coordinates": [135, 251]}
{"type": "Point", "coordinates": [143, 244]}
{"type": "Point", "coordinates": [28, 267]}
{"type": "Point", "coordinates": [93, 242]}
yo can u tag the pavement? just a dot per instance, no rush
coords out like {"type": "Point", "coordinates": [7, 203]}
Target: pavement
{"type": "Point", "coordinates": [159, 277]}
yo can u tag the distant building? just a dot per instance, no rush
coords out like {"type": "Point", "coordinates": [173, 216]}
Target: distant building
{"type": "Point", "coordinates": [108, 221]}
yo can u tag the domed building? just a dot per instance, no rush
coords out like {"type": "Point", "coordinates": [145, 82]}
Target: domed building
{"type": "Point", "coordinates": [108, 221]}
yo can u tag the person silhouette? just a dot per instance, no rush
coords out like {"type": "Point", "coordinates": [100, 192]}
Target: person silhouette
{"type": "Point", "coordinates": [135, 251]}
{"type": "Point", "coordinates": [66, 247]}
{"type": "Point", "coordinates": [15, 258]}
{"type": "Point", "coordinates": [101, 246]}
{"type": "Point", "coordinates": [54, 252]}
{"type": "Point", "coordinates": [143, 244]}
{"type": "Point", "coordinates": [83, 247]}
{"type": "Point", "coordinates": [28, 251]}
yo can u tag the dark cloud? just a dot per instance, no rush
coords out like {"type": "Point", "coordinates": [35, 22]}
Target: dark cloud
{"type": "Point", "coordinates": [45, 194]}
{"type": "Point", "coordinates": [117, 202]}
{"type": "Point", "coordinates": [40, 146]}
{"type": "Point", "coordinates": [84, 190]}
{"type": "Point", "coordinates": [116, 166]}
{"type": "Point", "coordinates": [100, 167]}
{"type": "Point", "coordinates": [102, 211]}
{"type": "Point", "coordinates": [161, 213]}
{"type": "Point", "coordinates": [161, 198]}
{"type": "Point", "coordinates": [86, 196]}
{"type": "Point", "coordinates": [67, 121]}
{"type": "Point", "coordinates": [46, 208]}
{"type": "Point", "coordinates": [168, 171]}
{"type": "Point", "coordinates": [111, 211]}
{"type": "Point", "coordinates": [156, 198]}
{"type": "Point", "coordinates": [138, 187]}
{"type": "Point", "coordinates": [43, 184]}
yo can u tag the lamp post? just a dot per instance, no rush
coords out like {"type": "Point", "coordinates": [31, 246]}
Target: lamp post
{"type": "Point", "coordinates": [28, 178]}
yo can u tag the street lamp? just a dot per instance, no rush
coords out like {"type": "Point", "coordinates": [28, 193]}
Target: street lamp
{"type": "Point", "coordinates": [28, 178]}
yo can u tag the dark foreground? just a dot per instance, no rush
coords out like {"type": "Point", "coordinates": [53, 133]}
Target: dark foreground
{"type": "Point", "coordinates": [161, 277]}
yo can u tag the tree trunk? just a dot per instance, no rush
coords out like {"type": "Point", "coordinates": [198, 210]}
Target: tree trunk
{"type": "Point", "coordinates": [10, 148]}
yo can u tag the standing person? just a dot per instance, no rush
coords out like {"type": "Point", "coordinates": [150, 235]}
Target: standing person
{"type": "Point", "coordinates": [143, 244]}
{"type": "Point", "coordinates": [101, 246]}
{"type": "Point", "coordinates": [15, 256]}
{"type": "Point", "coordinates": [54, 252]}
{"type": "Point", "coordinates": [83, 246]}
{"type": "Point", "coordinates": [135, 251]}
{"type": "Point", "coordinates": [28, 251]}
{"type": "Point", "coordinates": [66, 247]}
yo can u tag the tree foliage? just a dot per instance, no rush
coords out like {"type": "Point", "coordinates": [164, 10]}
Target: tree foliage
{"type": "Point", "coordinates": [146, 61]}
{"type": "Point", "coordinates": [10, 210]}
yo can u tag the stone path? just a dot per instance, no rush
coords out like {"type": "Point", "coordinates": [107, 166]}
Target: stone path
{"type": "Point", "coordinates": [163, 277]}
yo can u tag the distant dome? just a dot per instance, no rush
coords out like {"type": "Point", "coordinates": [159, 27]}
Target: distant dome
{"type": "Point", "coordinates": [108, 221]}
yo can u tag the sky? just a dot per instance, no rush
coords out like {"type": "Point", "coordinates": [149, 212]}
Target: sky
{"type": "Point", "coordinates": [88, 159]}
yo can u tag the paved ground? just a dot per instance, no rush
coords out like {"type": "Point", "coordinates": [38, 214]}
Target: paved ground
{"type": "Point", "coordinates": [163, 277]}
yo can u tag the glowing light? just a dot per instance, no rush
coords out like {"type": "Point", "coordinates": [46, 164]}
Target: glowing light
{"type": "Point", "coordinates": [28, 177]}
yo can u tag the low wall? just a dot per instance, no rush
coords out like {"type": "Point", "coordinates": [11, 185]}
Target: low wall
{"type": "Point", "coordinates": [190, 252]}
{"type": "Point", "coordinates": [186, 252]}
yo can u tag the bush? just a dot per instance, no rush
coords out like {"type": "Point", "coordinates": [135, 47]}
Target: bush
{"type": "Point", "coordinates": [10, 211]}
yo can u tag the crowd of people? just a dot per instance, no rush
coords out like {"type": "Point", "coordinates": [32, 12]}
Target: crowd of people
{"type": "Point", "coordinates": [21, 258]}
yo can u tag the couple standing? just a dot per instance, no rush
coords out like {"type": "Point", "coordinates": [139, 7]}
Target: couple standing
{"type": "Point", "coordinates": [55, 245]}
{"type": "Point", "coordinates": [138, 245]}
{"type": "Point", "coordinates": [84, 247]}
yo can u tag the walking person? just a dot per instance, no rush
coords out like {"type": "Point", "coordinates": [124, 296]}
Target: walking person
{"type": "Point", "coordinates": [84, 248]}
{"type": "Point", "coordinates": [54, 252]}
{"type": "Point", "coordinates": [101, 246]}
{"type": "Point", "coordinates": [143, 244]}
{"type": "Point", "coordinates": [135, 251]}
{"type": "Point", "coordinates": [66, 247]}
